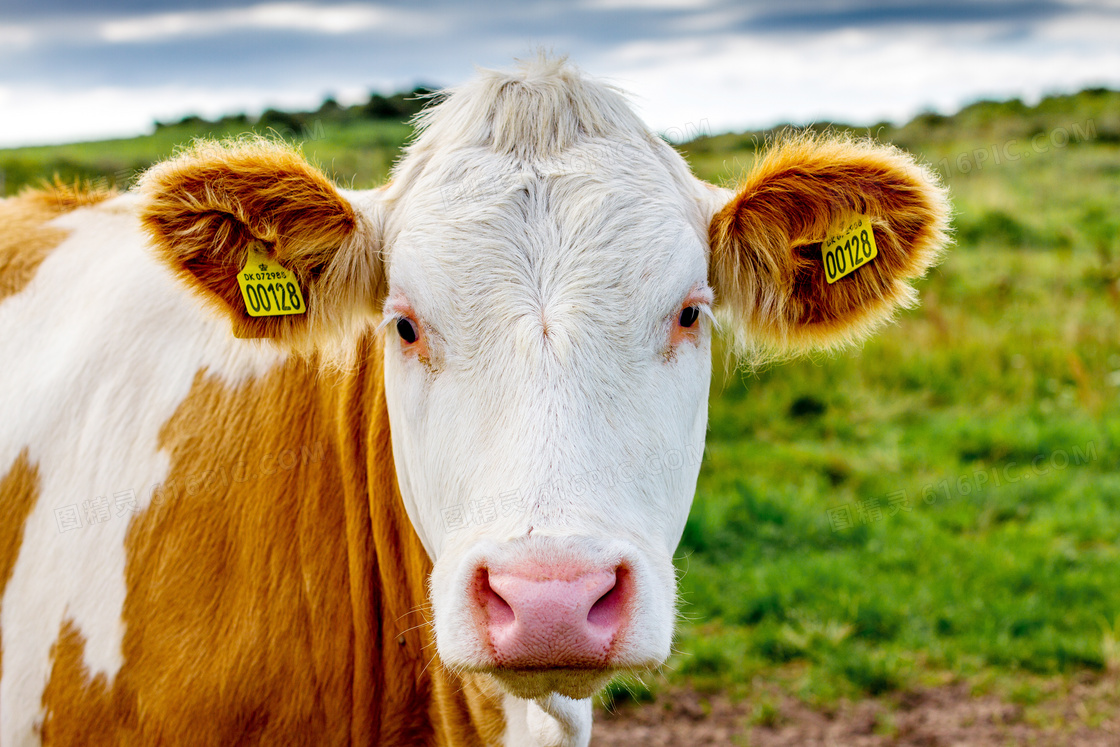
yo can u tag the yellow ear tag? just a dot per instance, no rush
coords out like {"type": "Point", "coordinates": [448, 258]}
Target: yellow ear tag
{"type": "Point", "coordinates": [849, 249]}
{"type": "Point", "coordinates": [267, 287]}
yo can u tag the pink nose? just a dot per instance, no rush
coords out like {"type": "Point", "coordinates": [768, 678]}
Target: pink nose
{"type": "Point", "coordinates": [538, 620]}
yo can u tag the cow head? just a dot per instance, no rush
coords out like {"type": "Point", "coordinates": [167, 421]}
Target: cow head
{"type": "Point", "coordinates": [546, 273]}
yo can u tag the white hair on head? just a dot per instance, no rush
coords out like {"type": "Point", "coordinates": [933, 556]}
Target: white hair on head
{"type": "Point", "coordinates": [537, 111]}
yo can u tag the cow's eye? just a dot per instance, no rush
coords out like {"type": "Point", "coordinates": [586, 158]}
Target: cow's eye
{"type": "Point", "coordinates": [406, 330]}
{"type": "Point", "coordinates": [689, 315]}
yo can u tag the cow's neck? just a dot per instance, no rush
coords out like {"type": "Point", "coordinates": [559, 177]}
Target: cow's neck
{"type": "Point", "coordinates": [404, 689]}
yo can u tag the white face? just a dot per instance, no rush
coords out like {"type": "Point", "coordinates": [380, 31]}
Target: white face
{"type": "Point", "coordinates": [547, 365]}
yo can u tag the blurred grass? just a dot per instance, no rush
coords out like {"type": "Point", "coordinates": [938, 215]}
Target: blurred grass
{"type": "Point", "coordinates": [358, 153]}
{"type": "Point", "coordinates": [991, 567]}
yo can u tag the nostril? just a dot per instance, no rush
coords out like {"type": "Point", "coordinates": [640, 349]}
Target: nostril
{"type": "Point", "coordinates": [497, 610]}
{"type": "Point", "coordinates": [607, 610]}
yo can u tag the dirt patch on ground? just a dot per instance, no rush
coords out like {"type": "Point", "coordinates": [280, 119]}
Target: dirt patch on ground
{"type": "Point", "coordinates": [1085, 713]}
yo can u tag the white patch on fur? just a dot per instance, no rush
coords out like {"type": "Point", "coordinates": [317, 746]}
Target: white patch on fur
{"type": "Point", "coordinates": [552, 721]}
{"type": "Point", "coordinates": [99, 350]}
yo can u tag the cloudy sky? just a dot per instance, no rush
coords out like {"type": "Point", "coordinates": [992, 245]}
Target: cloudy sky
{"type": "Point", "coordinates": [85, 69]}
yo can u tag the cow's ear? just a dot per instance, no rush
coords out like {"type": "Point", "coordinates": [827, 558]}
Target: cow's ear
{"type": "Point", "coordinates": [767, 265]}
{"type": "Point", "coordinates": [212, 206]}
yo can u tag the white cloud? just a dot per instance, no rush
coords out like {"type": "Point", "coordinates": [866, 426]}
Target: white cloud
{"type": "Point", "coordinates": [61, 116]}
{"type": "Point", "coordinates": [14, 37]}
{"type": "Point", "coordinates": [323, 19]}
{"type": "Point", "coordinates": [855, 75]}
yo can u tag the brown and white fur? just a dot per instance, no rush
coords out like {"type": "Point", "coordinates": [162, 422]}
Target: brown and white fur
{"type": "Point", "coordinates": [335, 534]}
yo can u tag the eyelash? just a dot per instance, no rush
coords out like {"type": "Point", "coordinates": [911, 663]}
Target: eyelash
{"type": "Point", "coordinates": [403, 324]}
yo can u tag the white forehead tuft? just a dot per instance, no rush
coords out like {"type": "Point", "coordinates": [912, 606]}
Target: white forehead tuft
{"type": "Point", "coordinates": [535, 112]}
{"type": "Point", "coordinates": [546, 117]}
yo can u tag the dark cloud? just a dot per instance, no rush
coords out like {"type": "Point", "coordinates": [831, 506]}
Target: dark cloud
{"type": "Point", "coordinates": [70, 55]}
{"type": "Point", "coordinates": [539, 15]}
{"type": "Point", "coordinates": [815, 18]}
{"type": "Point", "coordinates": [29, 10]}
{"type": "Point", "coordinates": [249, 58]}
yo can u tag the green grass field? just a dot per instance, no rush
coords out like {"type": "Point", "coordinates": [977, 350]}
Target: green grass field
{"type": "Point", "coordinates": [946, 500]}
{"type": "Point", "coordinates": [942, 503]}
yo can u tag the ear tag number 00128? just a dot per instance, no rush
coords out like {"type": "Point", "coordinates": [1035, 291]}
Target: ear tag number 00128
{"type": "Point", "coordinates": [849, 249]}
{"type": "Point", "coordinates": [268, 288]}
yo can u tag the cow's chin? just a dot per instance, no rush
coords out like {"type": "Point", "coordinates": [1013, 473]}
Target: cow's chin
{"type": "Point", "coordinates": [531, 684]}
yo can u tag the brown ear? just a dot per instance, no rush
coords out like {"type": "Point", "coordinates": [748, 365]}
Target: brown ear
{"type": "Point", "coordinates": [766, 263]}
{"type": "Point", "coordinates": [204, 209]}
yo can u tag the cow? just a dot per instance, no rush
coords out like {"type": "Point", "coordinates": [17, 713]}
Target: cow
{"type": "Point", "coordinates": [284, 463]}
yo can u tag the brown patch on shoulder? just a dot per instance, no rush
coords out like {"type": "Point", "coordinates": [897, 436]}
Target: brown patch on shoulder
{"type": "Point", "coordinates": [19, 492]}
{"type": "Point", "coordinates": [25, 239]}
{"type": "Point", "coordinates": [276, 587]}
{"type": "Point", "coordinates": [238, 620]}
{"type": "Point", "coordinates": [96, 714]}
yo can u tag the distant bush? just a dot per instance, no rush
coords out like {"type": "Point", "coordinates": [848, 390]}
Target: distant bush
{"type": "Point", "coordinates": [191, 120]}
{"type": "Point", "coordinates": [992, 227]}
{"type": "Point", "coordinates": [398, 106]}
{"type": "Point", "coordinates": [930, 119]}
{"type": "Point", "coordinates": [379, 107]}
{"type": "Point", "coordinates": [278, 120]}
